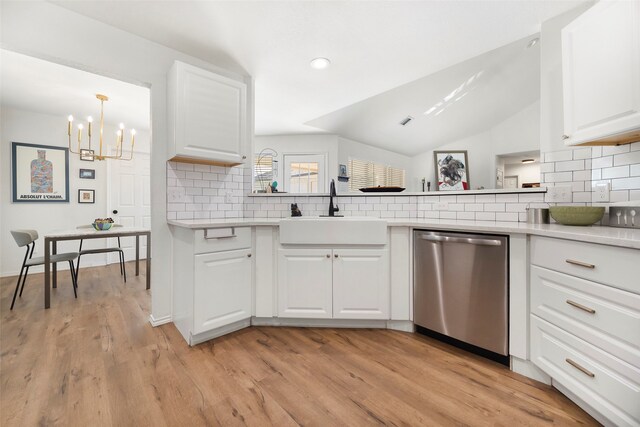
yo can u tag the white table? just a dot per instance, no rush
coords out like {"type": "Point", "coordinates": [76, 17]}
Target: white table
{"type": "Point", "coordinates": [51, 247]}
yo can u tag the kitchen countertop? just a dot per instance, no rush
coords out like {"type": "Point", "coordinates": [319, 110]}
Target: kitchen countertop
{"type": "Point", "coordinates": [594, 234]}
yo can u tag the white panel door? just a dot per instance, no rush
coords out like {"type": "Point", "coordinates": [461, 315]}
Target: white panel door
{"type": "Point", "coordinates": [210, 115]}
{"type": "Point", "coordinates": [222, 291]}
{"type": "Point", "coordinates": [601, 71]}
{"type": "Point", "coordinates": [304, 283]}
{"type": "Point", "coordinates": [130, 195]}
{"type": "Point", "coordinates": [360, 284]}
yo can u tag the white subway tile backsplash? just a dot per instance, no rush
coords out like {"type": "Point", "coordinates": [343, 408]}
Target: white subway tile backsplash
{"type": "Point", "coordinates": [466, 215]}
{"type": "Point", "coordinates": [507, 216]}
{"type": "Point", "coordinates": [615, 172]}
{"type": "Point", "coordinates": [582, 153]}
{"type": "Point", "coordinates": [615, 149]}
{"type": "Point", "coordinates": [485, 216]}
{"type": "Point", "coordinates": [558, 156]}
{"type": "Point", "coordinates": [574, 165]}
{"type": "Point", "coordinates": [558, 176]}
{"type": "Point", "coordinates": [602, 162]}
{"type": "Point", "coordinates": [627, 158]}
{"type": "Point", "coordinates": [625, 183]}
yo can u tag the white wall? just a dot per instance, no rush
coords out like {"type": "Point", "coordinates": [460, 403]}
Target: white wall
{"type": "Point", "coordinates": [526, 172]}
{"type": "Point", "coordinates": [44, 129]}
{"type": "Point", "coordinates": [48, 31]}
{"type": "Point", "coordinates": [479, 157]}
{"type": "Point", "coordinates": [300, 144]}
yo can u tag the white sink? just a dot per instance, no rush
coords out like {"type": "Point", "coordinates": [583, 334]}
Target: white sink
{"type": "Point", "coordinates": [333, 231]}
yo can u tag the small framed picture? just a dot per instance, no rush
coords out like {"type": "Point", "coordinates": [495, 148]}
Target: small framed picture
{"type": "Point", "coordinates": [452, 170]}
{"type": "Point", "coordinates": [87, 174]}
{"type": "Point", "coordinates": [86, 196]}
{"type": "Point", "coordinates": [86, 155]}
{"type": "Point", "coordinates": [342, 170]}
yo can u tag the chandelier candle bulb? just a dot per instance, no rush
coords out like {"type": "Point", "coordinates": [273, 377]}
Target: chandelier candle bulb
{"type": "Point", "coordinates": [70, 124]}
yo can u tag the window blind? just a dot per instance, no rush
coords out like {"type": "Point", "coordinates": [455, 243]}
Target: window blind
{"type": "Point", "coordinates": [262, 171]}
{"type": "Point", "coordinates": [370, 174]}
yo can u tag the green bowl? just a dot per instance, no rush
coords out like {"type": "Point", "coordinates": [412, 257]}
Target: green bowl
{"type": "Point", "coordinates": [576, 215]}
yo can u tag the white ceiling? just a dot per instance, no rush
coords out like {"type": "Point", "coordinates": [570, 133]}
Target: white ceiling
{"type": "Point", "coordinates": [35, 85]}
{"type": "Point", "coordinates": [463, 100]}
{"type": "Point", "coordinates": [374, 46]}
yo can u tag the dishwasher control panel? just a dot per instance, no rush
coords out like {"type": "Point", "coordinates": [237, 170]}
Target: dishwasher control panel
{"type": "Point", "coordinates": [624, 216]}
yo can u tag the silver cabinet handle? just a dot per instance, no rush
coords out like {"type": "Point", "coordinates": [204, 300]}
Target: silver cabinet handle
{"type": "Point", "coordinates": [468, 240]}
{"type": "Point", "coordinates": [328, 256]}
{"type": "Point", "coordinates": [335, 256]}
{"type": "Point", "coordinates": [580, 368]}
{"type": "Point", "coordinates": [233, 234]}
{"type": "Point", "coordinates": [580, 263]}
{"type": "Point", "coordinates": [249, 255]}
{"type": "Point", "coordinates": [565, 137]}
{"type": "Point", "coordinates": [581, 307]}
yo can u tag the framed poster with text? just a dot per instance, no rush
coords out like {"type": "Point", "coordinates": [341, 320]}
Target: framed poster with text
{"type": "Point", "coordinates": [40, 173]}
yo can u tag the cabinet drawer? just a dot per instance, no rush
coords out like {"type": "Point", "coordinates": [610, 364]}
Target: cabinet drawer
{"type": "Point", "coordinates": [618, 267]}
{"type": "Point", "coordinates": [604, 382]}
{"type": "Point", "coordinates": [222, 239]}
{"type": "Point", "coordinates": [607, 317]}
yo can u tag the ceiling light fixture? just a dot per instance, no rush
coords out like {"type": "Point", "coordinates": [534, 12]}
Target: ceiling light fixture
{"type": "Point", "coordinates": [100, 154]}
{"type": "Point", "coordinates": [533, 42]}
{"type": "Point", "coordinates": [320, 63]}
{"type": "Point", "coordinates": [528, 161]}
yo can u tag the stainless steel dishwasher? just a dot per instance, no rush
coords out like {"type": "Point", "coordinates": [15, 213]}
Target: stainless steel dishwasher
{"type": "Point", "coordinates": [461, 290]}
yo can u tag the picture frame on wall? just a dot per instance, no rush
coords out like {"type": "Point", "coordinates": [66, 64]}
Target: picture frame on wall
{"type": "Point", "coordinates": [451, 170]}
{"type": "Point", "coordinates": [40, 173]}
{"type": "Point", "coordinates": [87, 155]}
{"type": "Point", "coordinates": [87, 174]}
{"type": "Point", "coordinates": [86, 196]}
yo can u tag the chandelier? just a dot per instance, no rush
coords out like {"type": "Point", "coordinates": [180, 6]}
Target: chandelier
{"type": "Point", "coordinates": [102, 150]}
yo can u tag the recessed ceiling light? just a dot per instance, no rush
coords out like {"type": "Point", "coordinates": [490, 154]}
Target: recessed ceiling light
{"type": "Point", "coordinates": [528, 160]}
{"type": "Point", "coordinates": [533, 42]}
{"type": "Point", "coordinates": [320, 63]}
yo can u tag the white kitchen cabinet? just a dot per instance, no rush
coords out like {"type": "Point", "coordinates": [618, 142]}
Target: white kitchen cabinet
{"type": "Point", "coordinates": [601, 74]}
{"type": "Point", "coordinates": [585, 328]}
{"type": "Point", "coordinates": [212, 281]}
{"type": "Point", "coordinates": [304, 283]}
{"type": "Point", "coordinates": [222, 293]}
{"type": "Point", "coordinates": [360, 284]}
{"type": "Point", "coordinates": [333, 283]}
{"type": "Point", "coordinates": [208, 116]}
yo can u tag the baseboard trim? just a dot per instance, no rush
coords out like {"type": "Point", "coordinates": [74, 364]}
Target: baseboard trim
{"type": "Point", "coordinates": [160, 320]}
{"type": "Point", "coordinates": [318, 323]}
{"type": "Point", "coordinates": [218, 332]}
{"type": "Point", "coordinates": [583, 405]}
{"type": "Point", "coordinates": [401, 325]}
{"type": "Point", "coordinates": [529, 370]}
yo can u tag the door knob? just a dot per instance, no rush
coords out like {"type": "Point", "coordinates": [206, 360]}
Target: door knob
{"type": "Point", "coordinates": [115, 212]}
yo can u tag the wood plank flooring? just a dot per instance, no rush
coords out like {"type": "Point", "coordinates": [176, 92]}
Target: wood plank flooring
{"type": "Point", "coordinates": [96, 361]}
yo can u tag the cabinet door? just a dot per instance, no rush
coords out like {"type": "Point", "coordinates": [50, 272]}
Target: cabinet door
{"type": "Point", "coordinates": [304, 283]}
{"type": "Point", "coordinates": [210, 115]}
{"type": "Point", "coordinates": [360, 284]}
{"type": "Point", "coordinates": [222, 293]}
{"type": "Point", "coordinates": [601, 72]}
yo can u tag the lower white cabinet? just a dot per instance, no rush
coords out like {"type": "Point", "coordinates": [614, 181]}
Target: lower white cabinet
{"type": "Point", "coordinates": [333, 283]}
{"type": "Point", "coordinates": [222, 293]}
{"type": "Point", "coordinates": [360, 284]}
{"type": "Point", "coordinates": [304, 283]}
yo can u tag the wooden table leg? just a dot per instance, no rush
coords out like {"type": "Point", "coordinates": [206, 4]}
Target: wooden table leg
{"type": "Point", "coordinates": [148, 260]}
{"type": "Point", "coordinates": [55, 266]}
{"type": "Point", "coordinates": [47, 273]}
{"type": "Point", "coordinates": [137, 254]}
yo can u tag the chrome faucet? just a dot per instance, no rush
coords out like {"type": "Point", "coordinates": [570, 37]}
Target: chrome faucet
{"type": "Point", "coordinates": [332, 194]}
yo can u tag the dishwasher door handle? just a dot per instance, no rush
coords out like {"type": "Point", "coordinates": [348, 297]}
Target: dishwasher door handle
{"type": "Point", "coordinates": [468, 240]}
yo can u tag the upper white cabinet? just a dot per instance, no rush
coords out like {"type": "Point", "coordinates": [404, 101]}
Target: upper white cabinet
{"type": "Point", "coordinates": [207, 116]}
{"type": "Point", "coordinates": [601, 75]}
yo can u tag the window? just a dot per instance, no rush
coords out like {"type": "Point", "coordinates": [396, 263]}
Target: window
{"type": "Point", "coordinates": [370, 174]}
{"type": "Point", "coordinates": [304, 173]}
{"type": "Point", "coordinates": [263, 171]}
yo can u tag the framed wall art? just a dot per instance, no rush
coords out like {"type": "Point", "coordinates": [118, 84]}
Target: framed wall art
{"type": "Point", "coordinates": [86, 196]}
{"type": "Point", "coordinates": [40, 173]}
{"type": "Point", "coordinates": [87, 174]}
{"type": "Point", "coordinates": [87, 155]}
{"type": "Point", "coordinates": [452, 170]}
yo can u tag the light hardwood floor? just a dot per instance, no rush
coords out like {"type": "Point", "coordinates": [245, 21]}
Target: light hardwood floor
{"type": "Point", "coordinates": [96, 361]}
